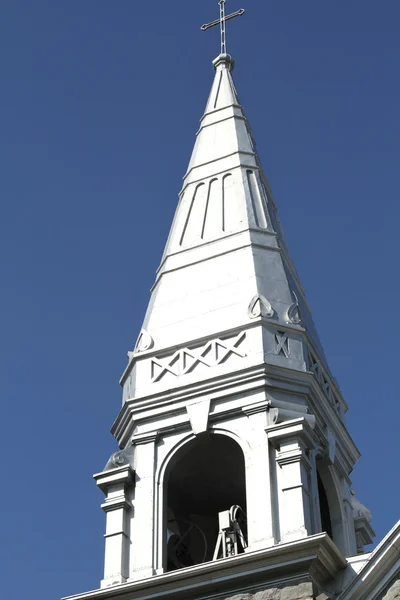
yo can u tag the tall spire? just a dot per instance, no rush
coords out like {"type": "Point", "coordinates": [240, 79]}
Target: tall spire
{"type": "Point", "coordinates": [227, 348]}
{"type": "Point", "coordinates": [226, 245]}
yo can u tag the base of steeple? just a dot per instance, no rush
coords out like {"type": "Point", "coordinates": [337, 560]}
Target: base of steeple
{"type": "Point", "coordinates": [297, 570]}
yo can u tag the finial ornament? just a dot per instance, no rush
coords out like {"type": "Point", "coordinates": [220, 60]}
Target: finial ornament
{"type": "Point", "coordinates": [222, 22]}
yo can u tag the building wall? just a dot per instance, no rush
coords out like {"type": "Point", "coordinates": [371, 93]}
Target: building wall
{"type": "Point", "coordinates": [393, 592]}
{"type": "Point", "coordinates": [301, 591]}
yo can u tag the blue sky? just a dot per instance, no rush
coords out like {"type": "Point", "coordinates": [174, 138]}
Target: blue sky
{"type": "Point", "coordinates": [100, 103]}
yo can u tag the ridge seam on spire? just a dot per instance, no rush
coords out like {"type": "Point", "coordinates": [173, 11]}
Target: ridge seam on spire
{"type": "Point", "coordinates": [236, 117]}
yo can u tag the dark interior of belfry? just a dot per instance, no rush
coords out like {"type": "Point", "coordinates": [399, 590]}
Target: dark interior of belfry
{"type": "Point", "coordinates": [325, 513]}
{"type": "Point", "coordinates": [206, 476]}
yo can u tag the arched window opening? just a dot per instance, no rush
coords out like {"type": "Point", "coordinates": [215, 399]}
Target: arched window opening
{"type": "Point", "coordinates": [326, 522]}
{"type": "Point", "coordinates": [207, 477]}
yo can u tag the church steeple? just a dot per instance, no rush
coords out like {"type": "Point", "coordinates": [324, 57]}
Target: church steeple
{"type": "Point", "coordinates": [226, 264]}
{"type": "Point", "coordinates": [227, 397]}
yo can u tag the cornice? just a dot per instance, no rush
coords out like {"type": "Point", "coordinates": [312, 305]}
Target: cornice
{"type": "Point", "coordinates": [320, 406]}
{"type": "Point", "coordinates": [120, 475]}
{"type": "Point", "coordinates": [246, 325]}
{"type": "Point", "coordinates": [296, 428]}
{"type": "Point", "coordinates": [260, 376]}
{"type": "Point", "coordinates": [199, 248]}
{"type": "Point", "coordinates": [167, 398]}
{"type": "Point", "coordinates": [152, 352]}
{"type": "Point", "coordinates": [145, 438]}
{"type": "Point", "coordinates": [315, 556]}
{"type": "Point", "coordinates": [383, 563]}
{"type": "Point", "coordinates": [115, 504]}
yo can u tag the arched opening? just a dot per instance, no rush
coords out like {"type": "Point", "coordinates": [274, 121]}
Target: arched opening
{"type": "Point", "coordinates": [205, 477]}
{"type": "Point", "coordinates": [331, 507]}
{"type": "Point", "coordinates": [325, 514]}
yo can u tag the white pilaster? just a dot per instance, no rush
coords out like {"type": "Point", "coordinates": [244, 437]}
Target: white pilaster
{"type": "Point", "coordinates": [143, 522]}
{"type": "Point", "coordinates": [293, 441]}
{"type": "Point", "coordinates": [116, 484]}
{"type": "Point", "coordinates": [260, 519]}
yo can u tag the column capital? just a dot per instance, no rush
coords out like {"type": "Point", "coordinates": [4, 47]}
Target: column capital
{"type": "Point", "coordinates": [145, 438]}
{"type": "Point", "coordinates": [255, 408]}
{"type": "Point", "coordinates": [116, 504]}
{"type": "Point", "coordinates": [295, 429]}
{"type": "Point", "coordinates": [119, 476]}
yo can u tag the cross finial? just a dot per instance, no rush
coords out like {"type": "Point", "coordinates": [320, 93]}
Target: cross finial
{"type": "Point", "coordinates": [222, 22]}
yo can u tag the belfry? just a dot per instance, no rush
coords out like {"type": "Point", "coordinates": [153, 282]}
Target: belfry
{"type": "Point", "coordinates": [232, 477]}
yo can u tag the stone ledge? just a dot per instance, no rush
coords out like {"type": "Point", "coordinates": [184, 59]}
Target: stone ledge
{"type": "Point", "coordinates": [301, 591]}
{"type": "Point", "coordinates": [315, 558]}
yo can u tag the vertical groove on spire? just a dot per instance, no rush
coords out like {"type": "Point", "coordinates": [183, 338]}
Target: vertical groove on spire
{"type": "Point", "coordinates": [218, 90]}
{"type": "Point", "coordinates": [190, 231]}
{"type": "Point", "coordinates": [212, 226]}
{"type": "Point", "coordinates": [256, 201]}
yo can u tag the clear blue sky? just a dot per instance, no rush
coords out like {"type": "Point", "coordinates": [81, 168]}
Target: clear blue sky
{"type": "Point", "coordinates": [100, 102]}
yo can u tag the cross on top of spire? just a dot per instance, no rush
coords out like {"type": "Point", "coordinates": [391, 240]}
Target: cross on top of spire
{"type": "Point", "coordinates": [222, 22]}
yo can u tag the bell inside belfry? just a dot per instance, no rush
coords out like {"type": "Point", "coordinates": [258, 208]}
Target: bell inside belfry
{"type": "Point", "coordinates": [206, 477]}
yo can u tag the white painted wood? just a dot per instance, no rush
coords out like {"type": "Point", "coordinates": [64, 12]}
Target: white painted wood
{"type": "Point", "coordinates": [228, 348]}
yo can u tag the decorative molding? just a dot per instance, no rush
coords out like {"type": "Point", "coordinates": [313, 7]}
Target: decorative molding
{"type": "Point", "coordinates": [316, 554]}
{"type": "Point", "coordinates": [293, 312]}
{"type": "Point", "coordinates": [145, 438]}
{"type": "Point", "coordinates": [119, 476]}
{"type": "Point", "coordinates": [298, 428]}
{"type": "Point", "coordinates": [259, 307]}
{"type": "Point", "coordinates": [282, 343]}
{"type": "Point", "coordinates": [207, 211]}
{"type": "Point", "coordinates": [315, 367]}
{"type": "Point", "coordinates": [144, 342]}
{"type": "Point", "coordinates": [116, 504]}
{"type": "Point", "coordinates": [198, 413]}
{"type": "Point", "coordinates": [362, 518]}
{"type": "Point", "coordinates": [186, 360]}
{"type": "Point", "coordinates": [258, 407]}
{"type": "Point", "coordinates": [281, 415]}
{"type": "Point", "coordinates": [257, 201]}
{"type": "Point", "coordinates": [331, 446]}
{"type": "Point", "coordinates": [120, 458]}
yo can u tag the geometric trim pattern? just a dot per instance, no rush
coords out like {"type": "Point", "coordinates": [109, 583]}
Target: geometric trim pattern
{"type": "Point", "coordinates": [186, 360]}
{"type": "Point", "coordinates": [282, 343]}
{"type": "Point", "coordinates": [315, 366]}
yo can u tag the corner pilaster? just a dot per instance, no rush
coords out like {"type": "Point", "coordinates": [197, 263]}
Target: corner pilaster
{"type": "Point", "coordinates": [293, 442]}
{"type": "Point", "coordinates": [143, 523]}
{"type": "Point", "coordinates": [260, 517]}
{"type": "Point", "coordinates": [116, 484]}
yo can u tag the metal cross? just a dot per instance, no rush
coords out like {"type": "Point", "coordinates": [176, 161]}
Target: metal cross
{"type": "Point", "coordinates": [222, 22]}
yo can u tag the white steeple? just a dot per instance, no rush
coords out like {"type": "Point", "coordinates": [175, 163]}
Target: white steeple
{"type": "Point", "coordinates": [227, 397]}
{"type": "Point", "coordinates": [225, 264]}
